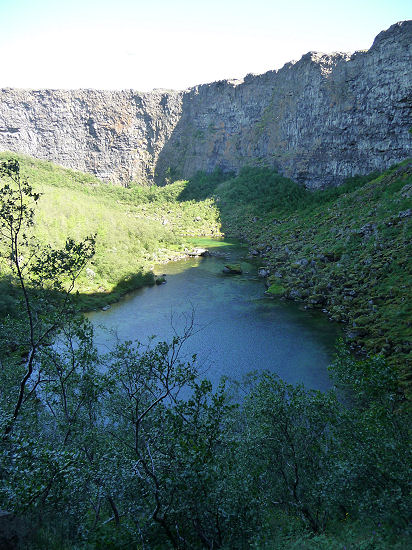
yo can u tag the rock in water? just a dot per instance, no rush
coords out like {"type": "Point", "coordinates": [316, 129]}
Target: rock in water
{"type": "Point", "coordinates": [235, 269]}
{"type": "Point", "coordinates": [263, 272]}
{"type": "Point", "coordinates": [198, 252]}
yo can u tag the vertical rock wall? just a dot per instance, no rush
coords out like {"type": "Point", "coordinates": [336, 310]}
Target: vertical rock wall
{"type": "Point", "coordinates": [116, 135]}
{"type": "Point", "coordinates": [318, 120]}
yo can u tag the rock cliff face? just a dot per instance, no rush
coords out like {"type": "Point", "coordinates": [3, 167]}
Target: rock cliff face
{"type": "Point", "coordinates": [116, 135]}
{"type": "Point", "coordinates": [318, 120]}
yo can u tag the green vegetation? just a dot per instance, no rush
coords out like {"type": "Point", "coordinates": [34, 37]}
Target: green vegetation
{"type": "Point", "coordinates": [135, 227]}
{"type": "Point", "coordinates": [345, 250]}
{"type": "Point", "coordinates": [276, 289]}
{"type": "Point", "coordinates": [201, 185]}
{"type": "Point", "coordinates": [107, 451]}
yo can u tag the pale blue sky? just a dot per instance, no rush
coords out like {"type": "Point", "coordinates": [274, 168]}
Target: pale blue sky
{"type": "Point", "coordinates": [117, 44]}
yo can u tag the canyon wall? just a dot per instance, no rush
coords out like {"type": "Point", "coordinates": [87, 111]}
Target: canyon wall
{"type": "Point", "coordinates": [116, 135]}
{"type": "Point", "coordinates": [319, 120]}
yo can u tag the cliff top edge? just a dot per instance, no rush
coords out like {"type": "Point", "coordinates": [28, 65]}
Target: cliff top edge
{"type": "Point", "coordinates": [400, 31]}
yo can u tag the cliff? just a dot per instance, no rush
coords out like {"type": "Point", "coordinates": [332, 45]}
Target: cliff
{"type": "Point", "coordinates": [116, 135]}
{"type": "Point", "coordinates": [318, 120]}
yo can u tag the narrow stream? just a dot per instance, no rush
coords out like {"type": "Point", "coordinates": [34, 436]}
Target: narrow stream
{"type": "Point", "coordinates": [238, 329]}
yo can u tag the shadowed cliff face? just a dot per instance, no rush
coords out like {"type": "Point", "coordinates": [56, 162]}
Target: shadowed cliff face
{"type": "Point", "coordinates": [318, 120]}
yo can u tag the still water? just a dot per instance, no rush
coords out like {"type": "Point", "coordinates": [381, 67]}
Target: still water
{"type": "Point", "coordinates": [237, 328]}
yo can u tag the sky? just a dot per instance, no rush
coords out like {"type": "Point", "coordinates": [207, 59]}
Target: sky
{"type": "Point", "coordinates": [175, 44]}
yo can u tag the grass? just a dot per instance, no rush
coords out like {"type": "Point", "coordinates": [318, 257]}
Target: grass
{"type": "Point", "coordinates": [135, 226]}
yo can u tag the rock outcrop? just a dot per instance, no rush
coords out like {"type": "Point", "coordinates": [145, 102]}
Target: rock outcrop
{"type": "Point", "coordinates": [318, 120]}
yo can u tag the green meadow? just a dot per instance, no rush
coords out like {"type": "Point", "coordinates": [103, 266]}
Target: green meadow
{"type": "Point", "coordinates": [135, 226]}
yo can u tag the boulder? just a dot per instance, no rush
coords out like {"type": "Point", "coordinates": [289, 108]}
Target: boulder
{"type": "Point", "coordinates": [406, 191]}
{"type": "Point", "coordinates": [198, 252]}
{"type": "Point", "coordinates": [90, 273]}
{"type": "Point", "coordinates": [263, 272]}
{"type": "Point", "coordinates": [234, 269]}
{"type": "Point", "coordinates": [295, 294]}
{"type": "Point", "coordinates": [316, 299]}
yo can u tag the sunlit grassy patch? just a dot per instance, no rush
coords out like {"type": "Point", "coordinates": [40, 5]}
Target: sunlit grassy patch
{"type": "Point", "coordinates": [135, 226]}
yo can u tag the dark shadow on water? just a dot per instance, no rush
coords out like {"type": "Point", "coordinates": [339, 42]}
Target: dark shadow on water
{"type": "Point", "coordinates": [10, 294]}
{"type": "Point", "coordinates": [95, 300]}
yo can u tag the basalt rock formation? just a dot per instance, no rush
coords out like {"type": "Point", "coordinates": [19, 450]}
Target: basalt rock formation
{"type": "Point", "coordinates": [319, 120]}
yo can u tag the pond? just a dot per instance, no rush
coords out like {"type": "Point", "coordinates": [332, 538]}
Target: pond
{"type": "Point", "coordinates": [237, 328]}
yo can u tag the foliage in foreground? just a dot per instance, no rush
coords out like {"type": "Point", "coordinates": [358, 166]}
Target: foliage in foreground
{"type": "Point", "coordinates": [109, 454]}
{"type": "Point", "coordinates": [129, 449]}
